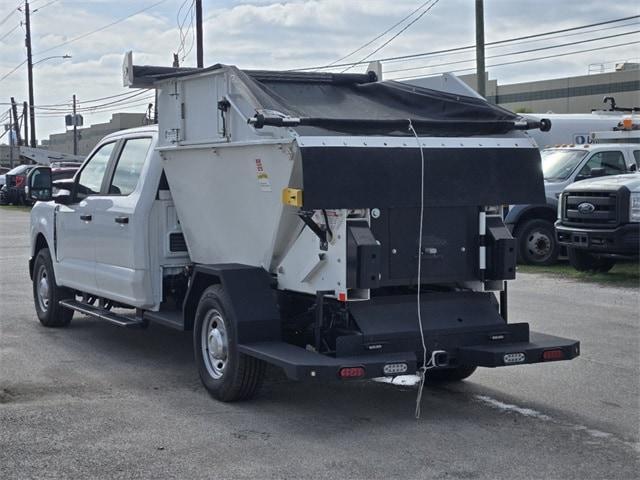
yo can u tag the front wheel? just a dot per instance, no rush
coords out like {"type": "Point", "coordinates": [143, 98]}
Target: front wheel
{"type": "Point", "coordinates": [227, 374]}
{"type": "Point", "coordinates": [47, 293]}
{"type": "Point", "coordinates": [537, 244]}
{"type": "Point", "coordinates": [587, 262]}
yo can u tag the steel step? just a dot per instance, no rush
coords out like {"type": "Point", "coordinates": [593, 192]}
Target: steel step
{"type": "Point", "coordinates": [300, 364]}
{"type": "Point", "coordinates": [96, 312]}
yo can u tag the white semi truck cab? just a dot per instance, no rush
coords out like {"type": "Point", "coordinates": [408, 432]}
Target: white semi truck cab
{"type": "Point", "coordinates": [333, 225]}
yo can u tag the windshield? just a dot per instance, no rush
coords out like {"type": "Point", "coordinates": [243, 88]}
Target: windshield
{"type": "Point", "coordinates": [558, 164]}
{"type": "Point", "coordinates": [18, 170]}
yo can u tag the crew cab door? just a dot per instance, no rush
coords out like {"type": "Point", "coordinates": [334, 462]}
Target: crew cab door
{"type": "Point", "coordinates": [122, 225]}
{"type": "Point", "coordinates": [75, 233]}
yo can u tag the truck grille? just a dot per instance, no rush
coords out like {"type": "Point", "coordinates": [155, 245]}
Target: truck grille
{"type": "Point", "coordinates": [591, 209]}
{"type": "Point", "coordinates": [177, 243]}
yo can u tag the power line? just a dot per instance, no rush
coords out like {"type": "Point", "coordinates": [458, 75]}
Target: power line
{"type": "Point", "coordinates": [10, 32]}
{"type": "Point", "coordinates": [104, 27]}
{"type": "Point", "coordinates": [93, 107]}
{"type": "Point", "coordinates": [525, 60]}
{"type": "Point", "coordinates": [531, 50]}
{"type": "Point", "coordinates": [400, 32]}
{"type": "Point", "coordinates": [456, 49]}
{"type": "Point", "coordinates": [11, 12]}
{"type": "Point", "coordinates": [91, 100]}
{"type": "Point", "coordinates": [382, 34]}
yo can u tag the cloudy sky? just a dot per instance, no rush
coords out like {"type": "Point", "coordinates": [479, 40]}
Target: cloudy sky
{"type": "Point", "coordinates": [292, 34]}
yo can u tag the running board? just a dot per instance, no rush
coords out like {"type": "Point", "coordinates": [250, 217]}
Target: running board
{"type": "Point", "coordinates": [101, 313]}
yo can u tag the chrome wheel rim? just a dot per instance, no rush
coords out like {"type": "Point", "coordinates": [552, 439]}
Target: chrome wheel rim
{"type": "Point", "coordinates": [42, 288]}
{"type": "Point", "coordinates": [215, 344]}
{"type": "Point", "coordinates": [539, 245]}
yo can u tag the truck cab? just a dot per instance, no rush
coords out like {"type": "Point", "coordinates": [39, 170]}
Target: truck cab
{"type": "Point", "coordinates": [114, 224]}
{"type": "Point", "coordinates": [562, 165]}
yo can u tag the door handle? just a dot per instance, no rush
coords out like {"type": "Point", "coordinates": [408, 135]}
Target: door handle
{"type": "Point", "coordinates": [86, 218]}
{"type": "Point", "coordinates": [122, 220]}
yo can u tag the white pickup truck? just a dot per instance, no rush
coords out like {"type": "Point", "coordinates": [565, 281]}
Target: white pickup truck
{"type": "Point", "coordinates": [315, 229]}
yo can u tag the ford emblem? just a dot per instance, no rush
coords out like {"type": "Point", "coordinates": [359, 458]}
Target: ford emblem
{"type": "Point", "coordinates": [586, 207]}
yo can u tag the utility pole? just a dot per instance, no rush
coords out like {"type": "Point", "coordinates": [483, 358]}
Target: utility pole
{"type": "Point", "coordinates": [32, 112]}
{"type": "Point", "coordinates": [75, 127]}
{"type": "Point", "coordinates": [25, 115]}
{"type": "Point", "coordinates": [199, 52]}
{"type": "Point", "coordinates": [480, 68]}
{"type": "Point", "coordinates": [16, 125]}
{"type": "Point", "coordinates": [10, 139]}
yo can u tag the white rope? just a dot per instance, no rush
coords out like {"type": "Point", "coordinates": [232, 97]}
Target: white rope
{"type": "Point", "coordinates": [425, 366]}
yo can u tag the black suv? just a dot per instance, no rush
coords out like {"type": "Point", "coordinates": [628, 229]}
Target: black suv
{"type": "Point", "coordinates": [599, 221]}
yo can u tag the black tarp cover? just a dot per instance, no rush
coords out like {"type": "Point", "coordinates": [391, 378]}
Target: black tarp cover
{"type": "Point", "coordinates": [356, 103]}
{"type": "Point", "coordinates": [353, 104]}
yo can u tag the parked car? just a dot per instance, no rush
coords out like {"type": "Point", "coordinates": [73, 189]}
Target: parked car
{"type": "Point", "coordinates": [599, 221]}
{"type": "Point", "coordinates": [532, 225]}
{"type": "Point", "coordinates": [14, 191]}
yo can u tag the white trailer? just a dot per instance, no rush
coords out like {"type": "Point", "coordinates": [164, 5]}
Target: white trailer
{"type": "Point", "coordinates": [330, 224]}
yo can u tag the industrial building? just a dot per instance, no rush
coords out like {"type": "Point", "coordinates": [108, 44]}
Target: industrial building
{"type": "Point", "coordinates": [88, 137]}
{"type": "Point", "coordinates": [580, 94]}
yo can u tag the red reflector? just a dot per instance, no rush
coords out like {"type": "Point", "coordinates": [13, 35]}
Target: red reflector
{"type": "Point", "coordinates": [342, 297]}
{"type": "Point", "coordinates": [553, 355]}
{"type": "Point", "coordinates": [19, 181]}
{"type": "Point", "coordinates": [351, 372]}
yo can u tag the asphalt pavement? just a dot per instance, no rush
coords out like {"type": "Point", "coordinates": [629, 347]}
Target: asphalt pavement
{"type": "Point", "coordinates": [97, 401]}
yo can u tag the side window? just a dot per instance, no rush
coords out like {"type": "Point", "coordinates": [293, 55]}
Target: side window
{"type": "Point", "coordinates": [612, 162]}
{"type": "Point", "coordinates": [90, 179]}
{"type": "Point", "coordinates": [636, 156]}
{"type": "Point", "coordinates": [127, 172]}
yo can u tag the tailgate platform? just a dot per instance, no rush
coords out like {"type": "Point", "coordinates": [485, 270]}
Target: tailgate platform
{"type": "Point", "coordinates": [517, 353]}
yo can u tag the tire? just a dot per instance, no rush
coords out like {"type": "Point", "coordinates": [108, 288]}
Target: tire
{"type": "Point", "coordinates": [226, 374]}
{"type": "Point", "coordinates": [47, 293]}
{"type": "Point", "coordinates": [587, 262]}
{"type": "Point", "coordinates": [537, 243]}
{"type": "Point", "coordinates": [445, 375]}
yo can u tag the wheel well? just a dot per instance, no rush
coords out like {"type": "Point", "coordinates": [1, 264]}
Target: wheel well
{"type": "Point", "coordinates": [41, 243]}
{"type": "Point", "coordinates": [199, 283]}
{"type": "Point", "coordinates": [536, 213]}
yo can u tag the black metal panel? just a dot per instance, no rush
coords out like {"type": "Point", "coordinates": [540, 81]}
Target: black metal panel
{"type": "Point", "coordinates": [252, 298]}
{"type": "Point", "coordinates": [177, 242]}
{"type": "Point", "coordinates": [451, 231]}
{"type": "Point", "coordinates": [501, 251]}
{"type": "Point", "coordinates": [363, 257]}
{"type": "Point", "coordinates": [363, 177]}
{"type": "Point", "coordinates": [441, 312]}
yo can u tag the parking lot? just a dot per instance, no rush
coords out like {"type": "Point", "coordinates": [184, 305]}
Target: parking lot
{"type": "Point", "coordinates": [96, 401]}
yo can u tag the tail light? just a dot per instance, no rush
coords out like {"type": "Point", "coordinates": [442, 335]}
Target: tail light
{"type": "Point", "coordinates": [551, 355]}
{"type": "Point", "coordinates": [351, 372]}
{"type": "Point", "coordinates": [20, 180]}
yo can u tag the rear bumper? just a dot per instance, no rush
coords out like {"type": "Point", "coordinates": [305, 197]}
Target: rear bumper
{"type": "Point", "coordinates": [623, 240]}
{"type": "Point", "coordinates": [301, 364]}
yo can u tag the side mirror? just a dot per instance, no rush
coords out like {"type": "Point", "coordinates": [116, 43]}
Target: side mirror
{"type": "Point", "coordinates": [598, 172]}
{"type": "Point", "coordinates": [633, 168]}
{"type": "Point", "coordinates": [39, 186]}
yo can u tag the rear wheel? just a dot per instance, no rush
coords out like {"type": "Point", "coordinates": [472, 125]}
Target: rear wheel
{"type": "Point", "coordinates": [443, 375]}
{"type": "Point", "coordinates": [47, 293]}
{"type": "Point", "coordinates": [587, 262]}
{"type": "Point", "coordinates": [537, 244]}
{"type": "Point", "coordinates": [227, 374]}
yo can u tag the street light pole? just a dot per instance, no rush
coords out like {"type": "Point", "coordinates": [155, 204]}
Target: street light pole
{"type": "Point", "coordinates": [199, 52]}
{"type": "Point", "coordinates": [32, 111]}
{"type": "Point", "coordinates": [75, 127]}
{"type": "Point", "coordinates": [480, 79]}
